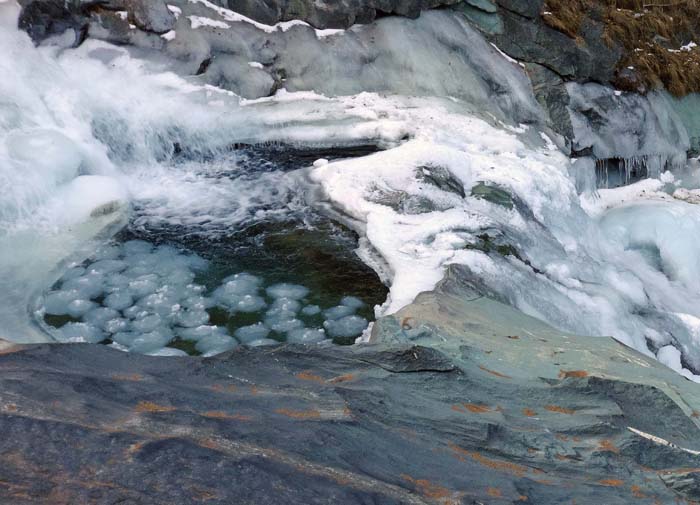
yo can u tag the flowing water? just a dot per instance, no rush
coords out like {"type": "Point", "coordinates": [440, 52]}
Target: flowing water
{"type": "Point", "coordinates": [152, 213]}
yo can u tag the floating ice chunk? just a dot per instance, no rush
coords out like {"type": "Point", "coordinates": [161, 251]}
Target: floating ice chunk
{"type": "Point", "coordinates": [262, 342]}
{"type": "Point", "coordinates": [144, 285]}
{"type": "Point", "coordinates": [98, 317]}
{"type": "Point", "coordinates": [119, 300]}
{"type": "Point", "coordinates": [306, 335]}
{"type": "Point", "coordinates": [352, 301]}
{"type": "Point", "coordinates": [117, 325]}
{"type": "Point", "coordinates": [249, 303]}
{"type": "Point", "coordinates": [251, 333]}
{"type": "Point", "coordinates": [163, 302]}
{"type": "Point", "coordinates": [147, 342]}
{"type": "Point", "coordinates": [338, 312]}
{"type": "Point", "coordinates": [167, 352]}
{"type": "Point", "coordinates": [89, 286]}
{"type": "Point", "coordinates": [107, 252]}
{"type": "Point", "coordinates": [215, 344]}
{"type": "Point", "coordinates": [283, 325]}
{"type": "Point", "coordinates": [73, 273]}
{"type": "Point", "coordinates": [133, 247]}
{"type": "Point", "coordinates": [284, 290]}
{"type": "Point", "coordinates": [80, 332]}
{"type": "Point", "coordinates": [242, 283]}
{"type": "Point", "coordinates": [180, 276]}
{"type": "Point", "coordinates": [78, 308]}
{"type": "Point", "coordinates": [286, 304]}
{"type": "Point", "coordinates": [106, 267]}
{"type": "Point", "coordinates": [349, 326]}
{"type": "Point", "coordinates": [56, 302]}
{"type": "Point", "coordinates": [135, 311]}
{"type": "Point", "coordinates": [197, 302]}
{"type": "Point", "coordinates": [148, 323]}
{"type": "Point", "coordinates": [192, 318]}
{"type": "Point", "coordinates": [125, 338]}
{"type": "Point", "coordinates": [311, 310]}
{"type": "Point", "coordinates": [198, 333]}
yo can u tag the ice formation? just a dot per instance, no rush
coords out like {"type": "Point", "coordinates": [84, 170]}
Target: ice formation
{"type": "Point", "coordinates": [144, 298]}
{"type": "Point", "coordinates": [469, 178]}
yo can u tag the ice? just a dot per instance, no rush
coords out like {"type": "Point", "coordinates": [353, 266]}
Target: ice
{"type": "Point", "coordinates": [117, 325]}
{"type": "Point", "coordinates": [107, 252]}
{"type": "Point", "coordinates": [215, 344]}
{"type": "Point", "coordinates": [283, 324]}
{"type": "Point", "coordinates": [198, 333]}
{"type": "Point", "coordinates": [80, 332]}
{"type": "Point", "coordinates": [106, 267]}
{"type": "Point", "coordinates": [49, 154]}
{"type": "Point", "coordinates": [56, 302]}
{"type": "Point", "coordinates": [286, 305]}
{"type": "Point", "coordinates": [148, 342]}
{"type": "Point", "coordinates": [349, 326]}
{"type": "Point", "coordinates": [338, 312]}
{"type": "Point", "coordinates": [119, 300]}
{"type": "Point", "coordinates": [311, 310]}
{"type": "Point", "coordinates": [262, 342]}
{"type": "Point", "coordinates": [249, 303]}
{"type": "Point", "coordinates": [252, 332]}
{"type": "Point", "coordinates": [73, 273]}
{"type": "Point", "coordinates": [78, 308]}
{"type": "Point", "coordinates": [306, 336]}
{"type": "Point", "coordinates": [167, 352]}
{"type": "Point", "coordinates": [192, 318]}
{"type": "Point", "coordinates": [125, 338]}
{"type": "Point", "coordinates": [88, 286]}
{"type": "Point", "coordinates": [352, 301]}
{"type": "Point", "coordinates": [143, 285]}
{"type": "Point", "coordinates": [284, 290]}
{"type": "Point", "coordinates": [147, 323]}
{"type": "Point", "coordinates": [100, 316]}
{"type": "Point", "coordinates": [137, 247]}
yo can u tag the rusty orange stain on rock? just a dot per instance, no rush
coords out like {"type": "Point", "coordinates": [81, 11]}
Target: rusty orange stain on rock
{"type": "Point", "coordinates": [217, 414]}
{"type": "Point", "coordinates": [494, 492]}
{"type": "Point", "coordinates": [529, 412]}
{"type": "Point", "coordinates": [559, 410]}
{"type": "Point", "coordinates": [607, 445]}
{"type": "Point", "coordinates": [522, 497]}
{"type": "Point", "coordinates": [134, 377]}
{"type": "Point", "coordinates": [11, 407]}
{"type": "Point", "coordinates": [611, 482]}
{"type": "Point", "coordinates": [308, 376]}
{"type": "Point", "coordinates": [561, 437]}
{"type": "Point", "coordinates": [695, 414]}
{"type": "Point", "coordinates": [513, 337]}
{"type": "Point", "coordinates": [433, 491]}
{"type": "Point", "coordinates": [576, 374]}
{"type": "Point", "coordinates": [135, 447]}
{"type": "Point", "coordinates": [220, 388]}
{"type": "Point", "coordinates": [342, 378]}
{"type": "Point", "coordinates": [493, 372]}
{"type": "Point", "coordinates": [477, 409]}
{"type": "Point", "coordinates": [145, 406]}
{"type": "Point", "coordinates": [637, 492]}
{"type": "Point", "coordinates": [503, 466]}
{"type": "Point", "coordinates": [300, 414]}
{"type": "Point", "coordinates": [254, 390]}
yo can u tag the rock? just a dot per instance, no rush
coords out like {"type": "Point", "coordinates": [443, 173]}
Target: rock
{"type": "Point", "coordinates": [460, 399]}
{"type": "Point", "coordinates": [46, 19]}
{"type": "Point", "coordinates": [150, 15]}
{"type": "Point", "coordinates": [333, 13]}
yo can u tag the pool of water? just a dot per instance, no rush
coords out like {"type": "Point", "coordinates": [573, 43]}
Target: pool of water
{"type": "Point", "coordinates": [174, 283]}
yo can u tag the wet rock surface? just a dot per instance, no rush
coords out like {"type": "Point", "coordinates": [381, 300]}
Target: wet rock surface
{"type": "Point", "coordinates": [459, 399]}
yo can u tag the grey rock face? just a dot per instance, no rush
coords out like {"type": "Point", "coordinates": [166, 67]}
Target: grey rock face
{"type": "Point", "coordinates": [330, 13]}
{"type": "Point", "coordinates": [150, 15]}
{"type": "Point", "coordinates": [459, 400]}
